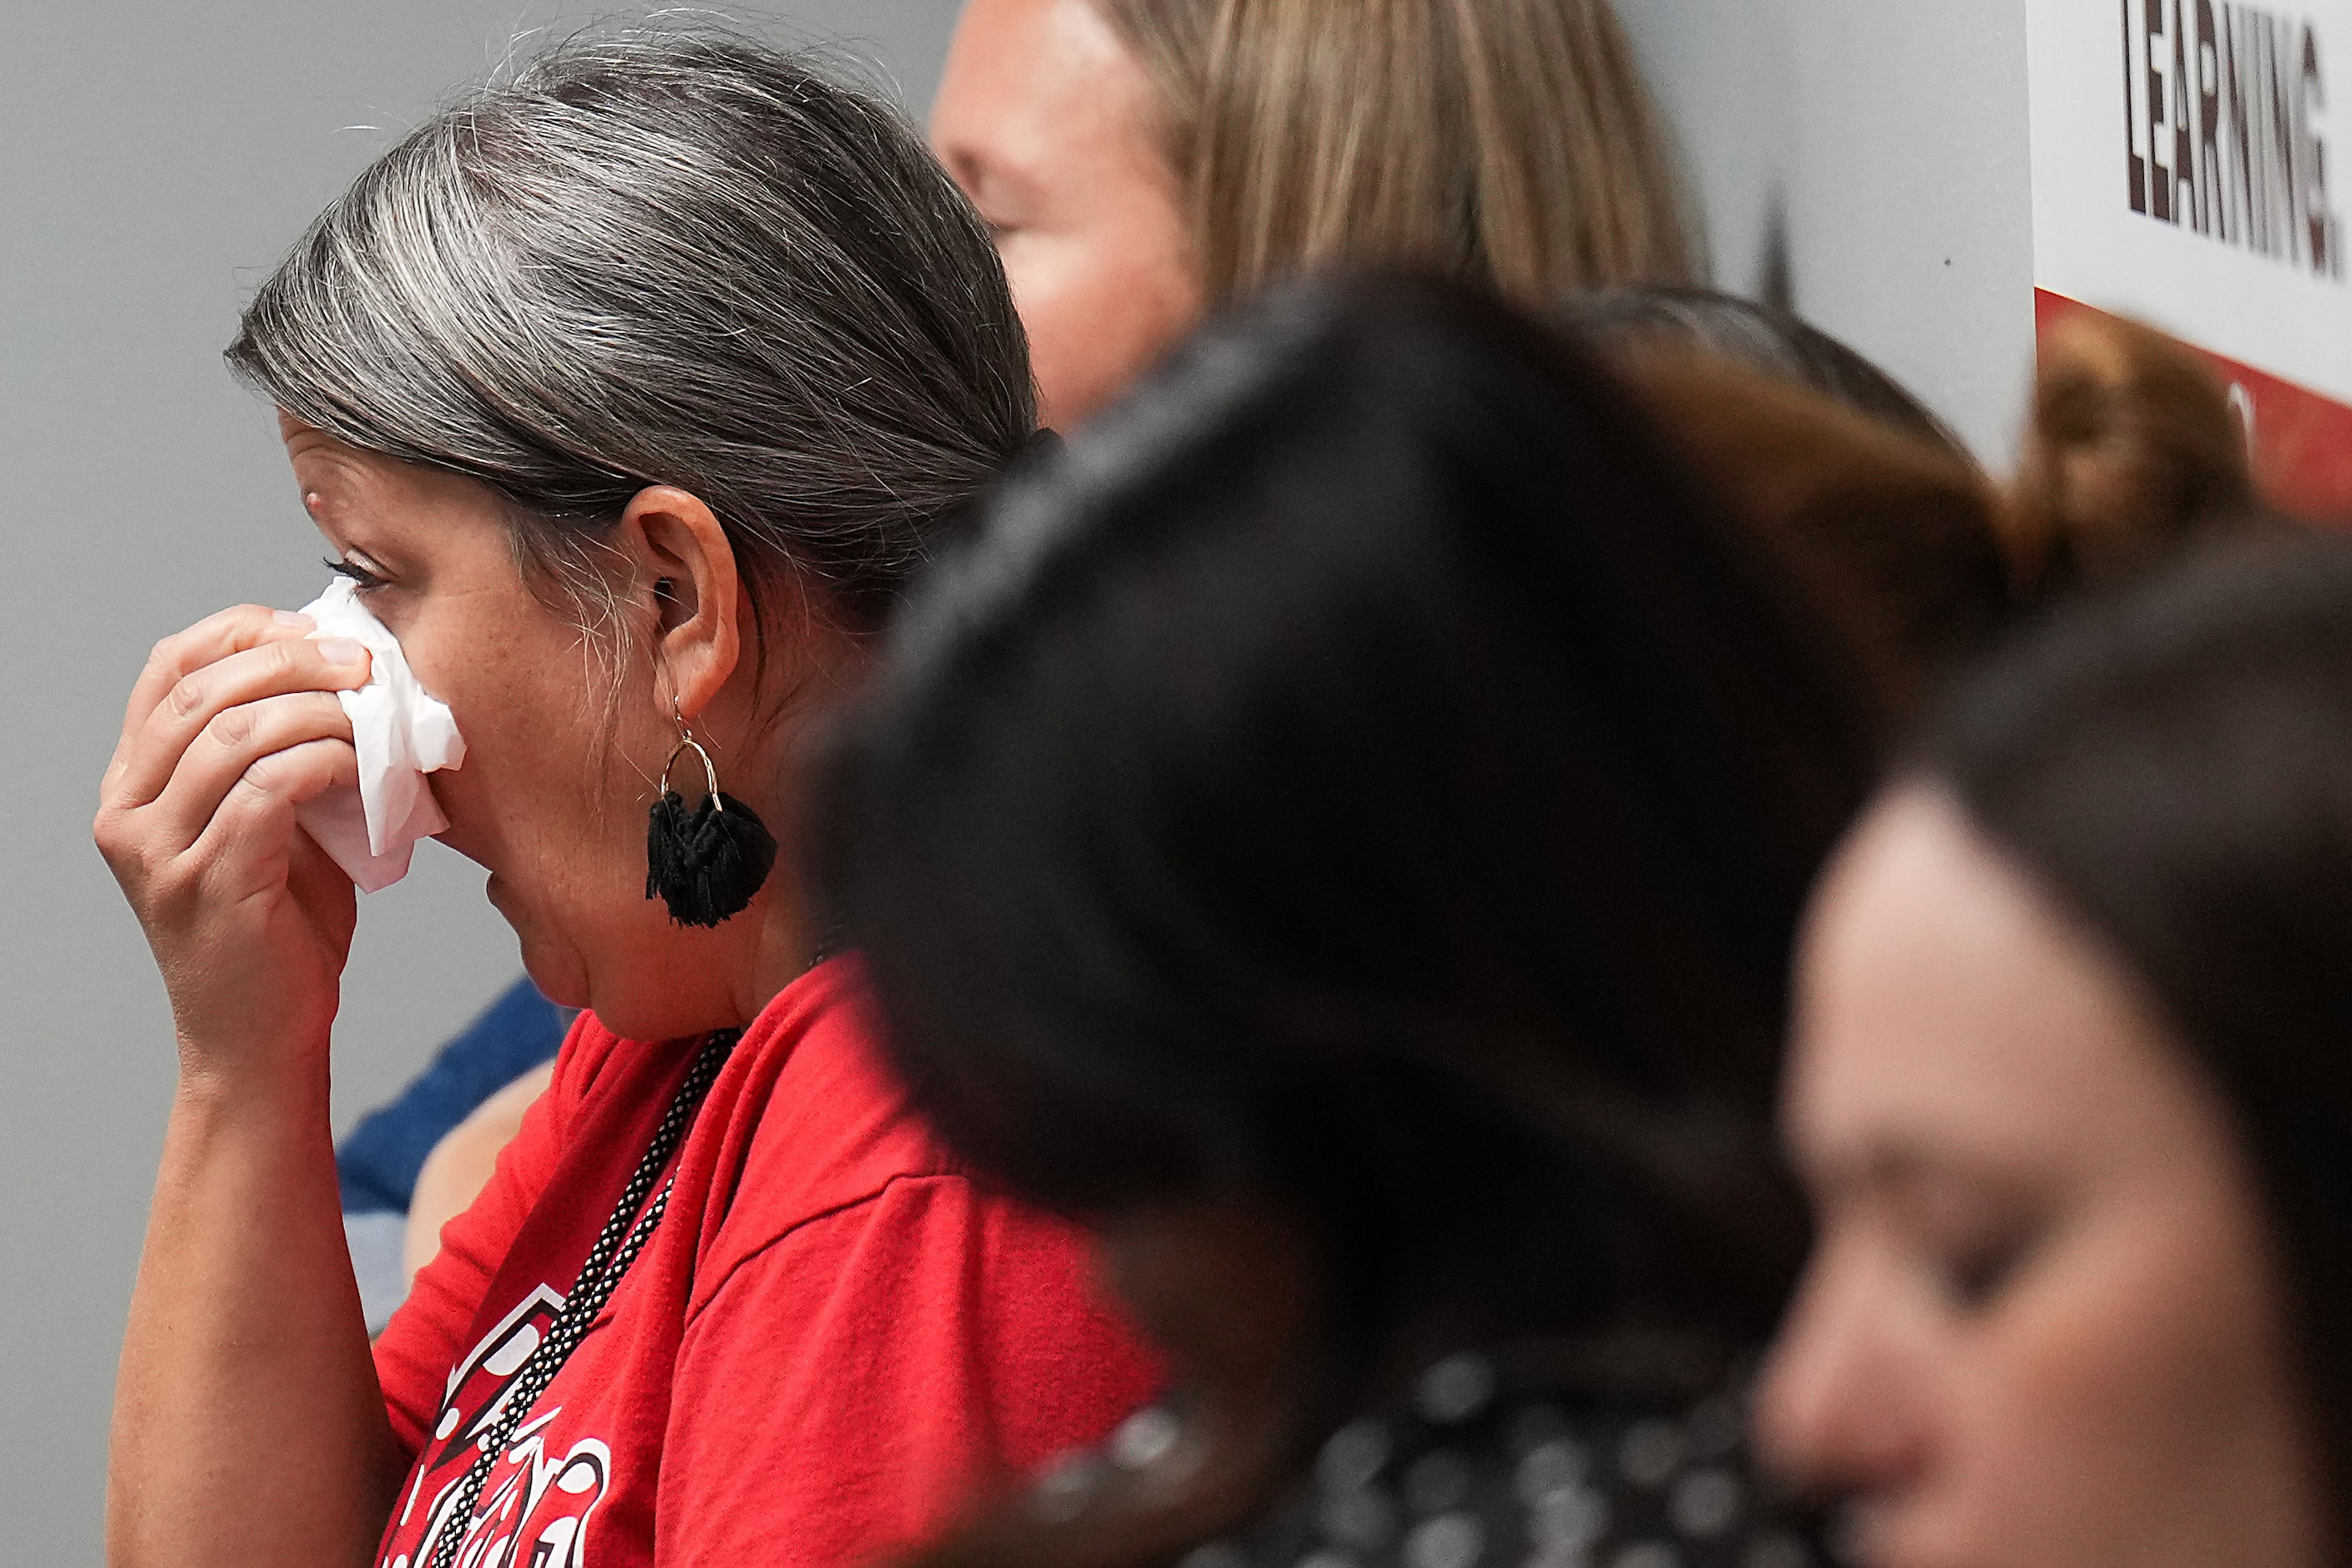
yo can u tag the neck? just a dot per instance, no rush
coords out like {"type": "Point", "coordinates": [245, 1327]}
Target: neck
{"type": "Point", "coordinates": [779, 945]}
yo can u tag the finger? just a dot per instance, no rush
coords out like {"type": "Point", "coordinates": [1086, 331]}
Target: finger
{"type": "Point", "coordinates": [226, 750]}
{"type": "Point", "coordinates": [250, 840]}
{"type": "Point", "coordinates": [200, 697]}
{"type": "Point", "coordinates": [208, 641]}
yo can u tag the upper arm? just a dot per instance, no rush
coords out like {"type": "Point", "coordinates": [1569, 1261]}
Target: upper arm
{"type": "Point", "coordinates": [461, 1164]}
{"type": "Point", "coordinates": [379, 1158]}
{"type": "Point", "coordinates": [852, 1383]}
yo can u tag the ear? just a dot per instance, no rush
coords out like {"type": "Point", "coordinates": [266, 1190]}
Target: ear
{"type": "Point", "coordinates": [687, 569]}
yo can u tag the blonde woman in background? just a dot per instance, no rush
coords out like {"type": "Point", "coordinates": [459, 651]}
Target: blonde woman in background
{"type": "Point", "coordinates": [1143, 161]}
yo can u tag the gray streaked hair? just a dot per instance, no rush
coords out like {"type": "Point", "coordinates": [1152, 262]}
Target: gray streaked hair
{"type": "Point", "coordinates": [667, 256]}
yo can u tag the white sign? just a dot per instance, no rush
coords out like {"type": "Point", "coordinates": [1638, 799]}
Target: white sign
{"type": "Point", "coordinates": [2187, 170]}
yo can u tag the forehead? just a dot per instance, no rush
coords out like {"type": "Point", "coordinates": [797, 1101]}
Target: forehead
{"type": "Point", "coordinates": [343, 485]}
{"type": "Point", "coordinates": [331, 469]}
{"type": "Point", "coordinates": [311, 448]}
{"type": "Point", "coordinates": [1025, 77]}
{"type": "Point", "coordinates": [1946, 1007]}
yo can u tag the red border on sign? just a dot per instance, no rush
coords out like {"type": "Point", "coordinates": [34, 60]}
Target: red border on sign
{"type": "Point", "coordinates": [2302, 441]}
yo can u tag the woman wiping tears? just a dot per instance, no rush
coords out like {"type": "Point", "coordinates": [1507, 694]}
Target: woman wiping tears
{"type": "Point", "coordinates": [627, 393]}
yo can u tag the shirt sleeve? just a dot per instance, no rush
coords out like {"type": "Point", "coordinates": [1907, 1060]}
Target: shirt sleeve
{"type": "Point", "coordinates": [850, 1386]}
{"type": "Point", "coordinates": [423, 1341]}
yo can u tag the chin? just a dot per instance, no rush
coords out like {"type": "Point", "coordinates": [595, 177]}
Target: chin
{"type": "Point", "coordinates": [609, 958]}
{"type": "Point", "coordinates": [558, 989]}
{"type": "Point", "coordinates": [553, 966]}
{"type": "Point", "coordinates": [452, 837]}
{"type": "Point", "coordinates": [561, 983]}
{"type": "Point", "coordinates": [568, 976]}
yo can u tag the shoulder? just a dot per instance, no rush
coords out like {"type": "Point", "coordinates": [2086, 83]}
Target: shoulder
{"type": "Point", "coordinates": [809, 1121]}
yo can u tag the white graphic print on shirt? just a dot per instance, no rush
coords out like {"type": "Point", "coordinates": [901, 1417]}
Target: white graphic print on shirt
{"type": "Point", "coordinates": [535, 1507]}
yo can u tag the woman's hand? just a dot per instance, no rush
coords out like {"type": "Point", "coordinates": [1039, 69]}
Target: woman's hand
{"type": "Point", "coordinates": [231, 729]}
{"type": "Point", "coordinates": [245, 1299]}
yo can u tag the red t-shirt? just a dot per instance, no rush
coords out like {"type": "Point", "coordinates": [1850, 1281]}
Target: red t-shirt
{"type": "Point", "coordinates": [833, 1339]}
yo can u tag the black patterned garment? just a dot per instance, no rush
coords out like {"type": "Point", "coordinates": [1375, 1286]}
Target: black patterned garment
{"type": "Point", "coordinates": [1483, 1473]}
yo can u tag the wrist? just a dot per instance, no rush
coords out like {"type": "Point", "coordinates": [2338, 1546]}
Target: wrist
{"type": "Point", "coordinates": [242, 1079]}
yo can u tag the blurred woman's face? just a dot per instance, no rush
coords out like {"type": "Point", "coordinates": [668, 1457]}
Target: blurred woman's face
{"type": "Point", "coordinates": [2043, 1322]}
{"type": "Point", "coordinates": [560, 758]}
{"type": "Point", "coordinates": [1052, 128]}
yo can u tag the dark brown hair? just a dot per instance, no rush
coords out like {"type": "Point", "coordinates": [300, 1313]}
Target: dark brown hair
{"type": "Point", "coordinates": [2174, 767]}
{"type": "Point", "coordinates": [1893, 535]}
{"type": "Point", "coordinates": [1773, 342]}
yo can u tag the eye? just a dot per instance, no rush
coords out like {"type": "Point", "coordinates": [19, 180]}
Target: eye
{"type": "Point", "coordinates": [1973, 1275]}
{"type": "Point", "coordinates": [365, 580]}
{"type": "Point", "coordinates": [1968, 1235]}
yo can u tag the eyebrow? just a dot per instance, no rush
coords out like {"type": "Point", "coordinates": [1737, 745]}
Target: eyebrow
{"type": "Point", "coordinates": [324, 472]}
{"type": "Point", "coordinates": [330, 508]}
{"type": "Point", "coordinates": [1898, 1164]}
{"type": "Point", "coordinates": [1876, 1163]}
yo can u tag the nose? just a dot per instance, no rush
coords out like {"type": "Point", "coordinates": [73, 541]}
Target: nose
{"type": "Point", "coordinates": [1844, 1409]}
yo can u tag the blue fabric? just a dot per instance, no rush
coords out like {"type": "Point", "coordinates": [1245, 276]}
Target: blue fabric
{"type": "Point", "coordinates": [378, 1162]}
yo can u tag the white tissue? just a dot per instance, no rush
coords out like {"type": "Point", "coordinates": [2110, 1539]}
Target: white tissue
{"type": "Point", "coordinates": [402, 732]}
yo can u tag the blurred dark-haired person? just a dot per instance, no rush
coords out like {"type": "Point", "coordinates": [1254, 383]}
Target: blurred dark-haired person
{"type": "Point", "coordinates": [1341, 835]}
{"type": "Point", "coordinates": [1143, 161]}
{"type": "Point", "coordinates": [628, 392]}
{"type": "Point", "coordinates": [2070, 1085]}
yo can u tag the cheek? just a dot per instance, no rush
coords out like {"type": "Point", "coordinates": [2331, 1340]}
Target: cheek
{"type": "Point", "coordinates": [527, 801]}
{"type": "Point", "coordinates": [523, 754]}
{"type": "Point", "coordinates": [1099, 305]}
{"type": "Point", "coordinates": [2133, 1393]}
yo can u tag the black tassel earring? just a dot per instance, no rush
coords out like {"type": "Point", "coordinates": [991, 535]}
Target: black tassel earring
{"type": "Point", "coordinates": [705, 864]}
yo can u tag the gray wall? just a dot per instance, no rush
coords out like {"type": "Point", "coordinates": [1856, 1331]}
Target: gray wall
{"type": "Point", "coordinates": [1892, 136]}
{"type": "Point", "coordinates": [155, 157]}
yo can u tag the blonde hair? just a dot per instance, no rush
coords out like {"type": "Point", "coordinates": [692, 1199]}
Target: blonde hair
{"type": "Point", "coordinates": [1508, 143]}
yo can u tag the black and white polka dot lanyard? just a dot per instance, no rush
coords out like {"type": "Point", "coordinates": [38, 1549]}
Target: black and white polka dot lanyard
{"type": "Point", "coordinates": [617, 1246]}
